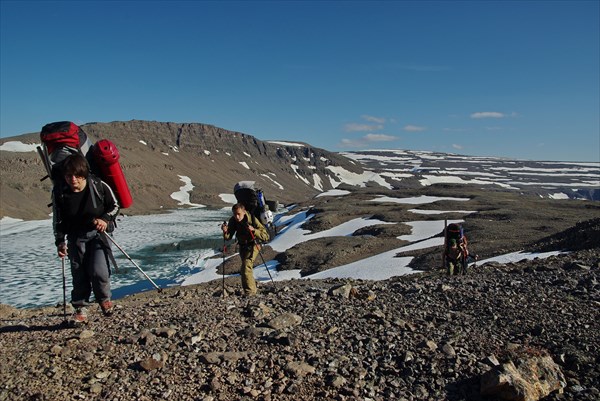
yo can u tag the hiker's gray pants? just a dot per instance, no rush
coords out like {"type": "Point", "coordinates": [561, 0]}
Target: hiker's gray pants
{"type": "Point", "coordinates": [89, 268]}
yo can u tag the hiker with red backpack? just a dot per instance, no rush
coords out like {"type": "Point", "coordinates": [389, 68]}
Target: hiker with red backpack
{"type": "Point", "coordinates": [456, 254]}
{"type": "Point", "coordinates": [247, 229]}
{"type": "Point", "coordinates": [84, 209]}
{"type": "Point", "coordinates": [88, 189]}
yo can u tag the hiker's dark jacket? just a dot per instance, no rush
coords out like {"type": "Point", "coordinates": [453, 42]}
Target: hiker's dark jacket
{"type": "Point", "coordinates": [242, 233]}
{"type": "Point", "coordinates": [74, 212]}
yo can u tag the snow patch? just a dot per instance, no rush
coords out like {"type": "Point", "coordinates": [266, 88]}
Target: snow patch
{"type": "Point", "coordinates": [17, 146]}
{"type": "Point", "coordinates": [183, 195]}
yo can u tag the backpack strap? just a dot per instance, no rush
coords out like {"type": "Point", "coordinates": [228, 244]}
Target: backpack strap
{"type": "Point", "coordinates": [93, 182]}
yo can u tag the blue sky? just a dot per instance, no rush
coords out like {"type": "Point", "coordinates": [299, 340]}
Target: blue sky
{"type": "Point", "coordinates": [518, 79]}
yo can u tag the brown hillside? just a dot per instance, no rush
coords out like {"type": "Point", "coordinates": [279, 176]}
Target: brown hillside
{"type": "Point", "coordinates": [155, 154]}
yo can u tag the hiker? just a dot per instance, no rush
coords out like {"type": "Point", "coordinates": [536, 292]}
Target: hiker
{"type": "Point", "coordinates": [84, 209]}
{"type": "Point", "coordinates": [247, 229]}
{"type": "Point", "coordinates": [454, 258]}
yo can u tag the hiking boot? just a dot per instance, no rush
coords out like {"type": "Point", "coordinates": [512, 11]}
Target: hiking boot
{"type": "Point", "coordinates": [107, 307]}
{"type": "Point", "coordinates": [79, 317]}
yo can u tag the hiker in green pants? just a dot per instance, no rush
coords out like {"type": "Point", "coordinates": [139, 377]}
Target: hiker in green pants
{"type": "Point", "coordinates": [248, 230]}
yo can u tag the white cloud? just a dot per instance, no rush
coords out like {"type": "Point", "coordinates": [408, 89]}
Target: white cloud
{"type": "Point", "coordinates": [378, 120]}
{"type": "Point", "coordinates": [358, 127]}
{"type": "Point", "coordinates": [379, 138]}
{"type": "Point", "coordinates": [456, 146]}
{"type": "Point", "coordinates": [366, 140]}
{"type": "Point", "coordinates": [488, 114]}
{"type": "Point", "coordinates": [355, 127]}
{"type": "Point", "coordinates": [413, 128]}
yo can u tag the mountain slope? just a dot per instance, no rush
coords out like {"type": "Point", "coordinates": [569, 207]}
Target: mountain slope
{"type": "Point", "coordinates": [154, 155]}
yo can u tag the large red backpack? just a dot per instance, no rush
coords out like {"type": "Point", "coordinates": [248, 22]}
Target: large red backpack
{"type": "Point", "coordinates": [64, 138]}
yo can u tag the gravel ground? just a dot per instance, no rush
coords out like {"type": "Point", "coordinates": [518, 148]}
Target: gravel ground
{"type": "Point", "coordinates": [424, 336]}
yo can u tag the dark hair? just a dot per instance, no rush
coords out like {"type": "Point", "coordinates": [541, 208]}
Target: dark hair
{"type": "Point", "coordinates": [76, 165]}
{"type": "Point", "coordinates": [238, 206]}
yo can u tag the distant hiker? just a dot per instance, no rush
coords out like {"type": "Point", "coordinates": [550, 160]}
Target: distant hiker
{"type": "Point", "coordinates": [454, 258]}
{"type": "Point", "coordinates": [248, 230]}
{"type": "Point", "coordinates": [84, 207]}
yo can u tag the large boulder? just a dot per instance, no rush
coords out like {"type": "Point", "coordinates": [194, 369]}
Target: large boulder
{"type": "Point", "coordinates": [526, 379]}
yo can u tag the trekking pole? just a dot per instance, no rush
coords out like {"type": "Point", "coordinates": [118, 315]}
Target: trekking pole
{"type": "Point", "coordinates": [260, 253]}
{"type": "Point", "coordinates": [444, 262]}
{"type": "Point", "coordinates": [64, 289]}
{"type": "Point", "coordinates": [223, 268]}
{"type": "Point", "coordinates": [224, 250]}
{"type": "Point", "coordinates": [265, 263]}
{"type": "Point", "coordinates": [132, 261]}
